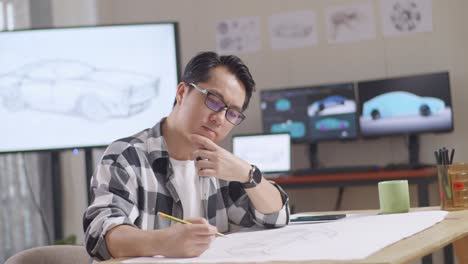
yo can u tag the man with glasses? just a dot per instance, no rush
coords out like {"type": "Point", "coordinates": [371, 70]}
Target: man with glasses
{"type": "Point", "coordinates": [177, 168]}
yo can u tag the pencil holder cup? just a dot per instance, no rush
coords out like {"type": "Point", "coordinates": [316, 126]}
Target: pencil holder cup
{"type": "Point", "coordinates": [445, 188]}
{"type": "Point", "coordinates": [453, 186]}
{"type": "Point", "coordinates": [394, 197]}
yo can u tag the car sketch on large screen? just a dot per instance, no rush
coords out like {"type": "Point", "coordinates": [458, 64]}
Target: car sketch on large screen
{"type": "Point", "coordinates": [77, 88]}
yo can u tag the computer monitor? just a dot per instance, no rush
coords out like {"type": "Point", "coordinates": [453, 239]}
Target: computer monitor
{"type": "Point", "coordinates": [406, 105]}
{"type": "Point", "coordinates": [311, 114]}
{"type": "Point", "coordinates": [271, 153]}
{"type": "Point", "coordinates": [86, 86]}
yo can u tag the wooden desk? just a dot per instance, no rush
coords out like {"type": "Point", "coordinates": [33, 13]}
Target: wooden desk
{"type": "Point", "coordinates": [452, 228]}
{"type": "Point", "coordinates": [421, 177]}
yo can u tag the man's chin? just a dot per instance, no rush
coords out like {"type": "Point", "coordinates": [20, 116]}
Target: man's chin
{"type": "Point", "coordinates": [205, 135]}
{"type": "Point", "coordinates": [210, 137]}
{"type": "Point", "coordinates": [205, 132]}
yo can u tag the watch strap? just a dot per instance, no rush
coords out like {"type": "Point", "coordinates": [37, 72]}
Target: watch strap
{"type": "Point", "coordinates": [255, 177]}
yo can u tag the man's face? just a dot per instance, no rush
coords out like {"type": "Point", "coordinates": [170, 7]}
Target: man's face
{"type": "Point", "coordinates": [196, 118]}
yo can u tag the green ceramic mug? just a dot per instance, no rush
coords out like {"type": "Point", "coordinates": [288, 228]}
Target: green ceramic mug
{"type": "Point", "coordinates": [394, 197]}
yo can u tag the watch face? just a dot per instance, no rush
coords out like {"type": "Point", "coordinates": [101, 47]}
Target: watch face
{"type": "Point", "coordinates": [257, 176]}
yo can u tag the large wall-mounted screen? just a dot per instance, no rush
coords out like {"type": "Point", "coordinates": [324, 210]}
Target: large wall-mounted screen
{"type": "Point", "coordinates": [84, 87]}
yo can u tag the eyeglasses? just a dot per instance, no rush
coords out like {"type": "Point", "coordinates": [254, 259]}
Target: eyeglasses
{"type": "Point", "coordinates": [215, 103]}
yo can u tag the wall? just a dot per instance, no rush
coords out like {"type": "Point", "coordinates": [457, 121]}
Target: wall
{"type": "Point", "coordinates": [74, 13]}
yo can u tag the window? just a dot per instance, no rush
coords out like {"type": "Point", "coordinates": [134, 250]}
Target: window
{"type": "Point", "coordinates": [2, 16]}
{"type": "Point", "coordinates": [7, 15]}
{"type": "Point", "coordinates": [10, 16]}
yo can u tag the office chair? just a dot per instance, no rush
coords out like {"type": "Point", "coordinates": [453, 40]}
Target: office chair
{"type": "Point", "coordinates": [57, 254]}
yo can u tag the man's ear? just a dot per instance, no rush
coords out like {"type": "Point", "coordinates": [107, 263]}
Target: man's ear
{"type": "Point", "coordinates": [182, 90]}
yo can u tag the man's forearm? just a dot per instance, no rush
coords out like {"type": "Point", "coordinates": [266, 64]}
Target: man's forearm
{"type": "Point", "coordinates": [265, 197]}
{"type": "Point", "coordinates": [129, 241]}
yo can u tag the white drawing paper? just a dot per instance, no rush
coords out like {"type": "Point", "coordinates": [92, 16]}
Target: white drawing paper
{"type": "Point", "coordinates": [293, 30]}
{"type": "Point", "coordinates": [350, 23]}
{"type": "Point", "coordinates": [406, 16]}
{"type": "Point", "coordinates": [241, 35]}
{"type": "Point", "coordinates": [326, 241]}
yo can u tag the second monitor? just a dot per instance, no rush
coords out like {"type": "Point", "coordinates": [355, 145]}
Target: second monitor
{"type": "Point", "coordinates": [311, 114]}
{"type": "Point", "coordinates": [406, 105]}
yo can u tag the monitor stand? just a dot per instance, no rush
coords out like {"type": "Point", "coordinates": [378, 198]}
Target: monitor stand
{"type": "Point", "coordinates": [413, 156]}
{"type": "Point", "coordinates": [413, 150]}
{"type": "Point", "coordinates": [313, 155]}
{"type": "Point", "coordinates": [314, 164]}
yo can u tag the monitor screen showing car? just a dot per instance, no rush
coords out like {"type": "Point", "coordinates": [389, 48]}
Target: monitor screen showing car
{"type": "Point", "coordinates": [311, 114]}
{"type": "Point", "coordinates": [406, 105]}
{"type": "Point", "coordinates": [84, 87]}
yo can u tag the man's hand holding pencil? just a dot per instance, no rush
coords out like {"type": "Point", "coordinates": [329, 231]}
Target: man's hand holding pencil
{"type": "Point", "coordinates": [189, 239]}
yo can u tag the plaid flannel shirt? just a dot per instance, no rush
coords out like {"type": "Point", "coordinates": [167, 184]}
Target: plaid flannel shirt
{"type": "Point", "coordinates": [134, 181]}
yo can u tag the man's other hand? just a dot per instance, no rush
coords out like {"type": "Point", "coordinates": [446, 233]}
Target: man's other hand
{"type": "Point", "coordinates": [218, 162]}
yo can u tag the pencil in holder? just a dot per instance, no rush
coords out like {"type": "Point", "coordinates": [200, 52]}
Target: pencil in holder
{"type": "Point", "coordinates": [445, 188]}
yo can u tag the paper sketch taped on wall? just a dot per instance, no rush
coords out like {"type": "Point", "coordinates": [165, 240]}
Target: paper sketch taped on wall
{"type": "Point", "coordinates": [405, 16]}
{"type": "Point", "coordinates": [346, 20]}
{"type": "Point", "coordinates": [238, 35]}
{"type": "Point", "coordinates": [293, 30]}
{"type": "Point", "coordinates": [230, 31]}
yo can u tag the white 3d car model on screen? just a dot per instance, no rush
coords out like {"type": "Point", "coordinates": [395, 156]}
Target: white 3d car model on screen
{"type": "Point", "coordinates": [395, 104]}
{"type": "Point", "coordinates": [76, 88]}
{"type": "Point", "coordinates": [331, 105]}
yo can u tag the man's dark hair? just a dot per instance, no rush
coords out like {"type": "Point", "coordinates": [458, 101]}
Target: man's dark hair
{"type": "Point", "coordinates": [199, 68]}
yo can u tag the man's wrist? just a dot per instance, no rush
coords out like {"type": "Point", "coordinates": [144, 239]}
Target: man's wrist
{"type": "Point", "coordinates": [255, 177]}
{"type": "Point", "coordinates": [245, 174]}
{"type": "Point", "coordinates": [160, 237]}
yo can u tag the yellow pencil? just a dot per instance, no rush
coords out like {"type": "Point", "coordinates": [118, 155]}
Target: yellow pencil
{"type": "Point", "coordinates": [170, 217]}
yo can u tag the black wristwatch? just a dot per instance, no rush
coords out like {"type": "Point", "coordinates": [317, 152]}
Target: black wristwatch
{"type": "Point", "coordinates": [255, 177]}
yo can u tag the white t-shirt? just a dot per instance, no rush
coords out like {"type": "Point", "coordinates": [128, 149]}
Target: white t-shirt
{"type": "Point", "coordinates": [187, 184]}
